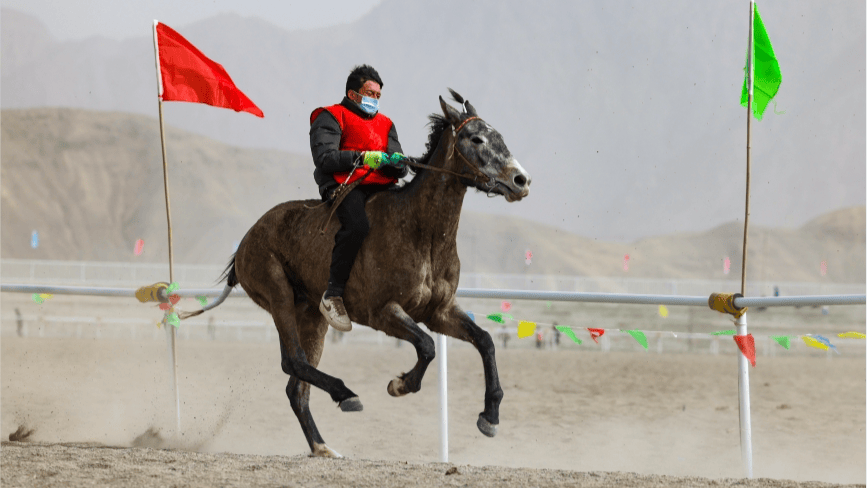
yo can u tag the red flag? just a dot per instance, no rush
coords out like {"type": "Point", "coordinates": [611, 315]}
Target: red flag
{"type": "Point", "coordinates": [595, 334]}
{"type": "Point", "coordinates": [187, 75]}
{"type": "Point", "coordinates": [747, 345]}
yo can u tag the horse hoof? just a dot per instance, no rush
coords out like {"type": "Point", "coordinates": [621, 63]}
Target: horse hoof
{"type": "Point", "coordinates": [321, 450]}
{"type": "Point", "coordinates": [486, 427]}
{"type": "Point", "coordinates": [352, 404]}
{"type": "Point", "coordinates": [396, 388]}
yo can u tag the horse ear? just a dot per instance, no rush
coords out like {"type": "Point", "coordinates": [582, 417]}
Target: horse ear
{"type": "Point", "coordinates": [452, 115]}
{"type": "Point", "coordinates": [471, 111]}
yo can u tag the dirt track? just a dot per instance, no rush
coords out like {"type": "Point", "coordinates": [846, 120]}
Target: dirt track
{"type": "Point", "coordinates": [579, 410]}
{"type": "Point", "coordinates": [72, 465]}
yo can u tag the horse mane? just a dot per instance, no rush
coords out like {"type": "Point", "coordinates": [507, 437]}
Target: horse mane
{"type": "Point", "coordinates": [438, 124]}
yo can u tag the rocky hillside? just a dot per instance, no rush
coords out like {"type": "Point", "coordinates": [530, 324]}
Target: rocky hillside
{"type": "Point", "coordinates": [90, 183]}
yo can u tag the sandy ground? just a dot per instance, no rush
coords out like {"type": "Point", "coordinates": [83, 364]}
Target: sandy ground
{"type": "Point", "coordinates": [576, 410]}
{"type": "Point", "coordinates": [85, 465]}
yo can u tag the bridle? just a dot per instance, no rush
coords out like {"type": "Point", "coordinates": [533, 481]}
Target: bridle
{"type": "Point", "coordinates": [490, 184]}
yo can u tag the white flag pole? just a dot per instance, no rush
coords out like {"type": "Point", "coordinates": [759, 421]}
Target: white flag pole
{"type": "Point", "coordinates": [171, 333]}
{"type": "Point", "coordinates": [743, 365]}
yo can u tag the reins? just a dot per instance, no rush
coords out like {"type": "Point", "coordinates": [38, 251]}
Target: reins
{"type": "Point", "coordinates": [344, 188]}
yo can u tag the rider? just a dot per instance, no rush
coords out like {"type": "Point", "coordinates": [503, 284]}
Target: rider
{"type": "Point", "coordinates": [352, 137]}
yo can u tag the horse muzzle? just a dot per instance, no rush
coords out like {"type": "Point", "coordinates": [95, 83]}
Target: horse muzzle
{"type": "Point", "coordinates": [517, 183]}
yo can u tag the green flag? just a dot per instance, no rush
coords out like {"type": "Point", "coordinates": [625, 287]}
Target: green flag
{"type": "Point", "coordinates": [638, 336]}
{"type": "Point", "coordinates": [766, 70]}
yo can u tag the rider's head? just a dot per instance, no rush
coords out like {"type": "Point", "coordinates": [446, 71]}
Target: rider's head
{"type": "Point", "coordinates": [363, 81]}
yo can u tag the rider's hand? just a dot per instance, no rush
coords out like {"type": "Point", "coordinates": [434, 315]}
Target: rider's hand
{"type": "Point", "coordinates": [375, 159]}
{"type": "Point", "coordinates": [396, 159]}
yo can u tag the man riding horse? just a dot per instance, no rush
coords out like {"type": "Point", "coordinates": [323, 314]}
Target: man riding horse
{"type": "Point", "coordinates": [407, 270]}
{"type": "Point", "coordinates": [352, 141]}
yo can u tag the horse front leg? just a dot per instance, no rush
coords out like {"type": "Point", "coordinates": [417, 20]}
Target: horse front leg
{"type": "Point", "coordinates": [454, 322]}
{"type": "Point", "coordinates": [394, 321]}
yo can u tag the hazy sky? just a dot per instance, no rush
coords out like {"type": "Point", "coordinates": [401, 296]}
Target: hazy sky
{"type": "Point", "coordinates": [119, 19]}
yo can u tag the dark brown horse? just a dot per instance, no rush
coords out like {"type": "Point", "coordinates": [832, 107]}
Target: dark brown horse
{"type": "Point", "coordinates": [406, 272]}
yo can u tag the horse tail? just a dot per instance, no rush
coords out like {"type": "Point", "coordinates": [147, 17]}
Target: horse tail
{"type": "Point", "coordinates": [231, 281]}
{"type": "Point", "coordinates": [229, 274]}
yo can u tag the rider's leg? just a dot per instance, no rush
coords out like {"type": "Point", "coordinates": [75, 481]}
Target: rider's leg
{"type": "Point", "coordinates": [354, 227]}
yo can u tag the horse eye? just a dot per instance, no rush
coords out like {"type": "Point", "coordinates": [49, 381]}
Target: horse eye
{"type": "Point", "coordinates": [477, 140]}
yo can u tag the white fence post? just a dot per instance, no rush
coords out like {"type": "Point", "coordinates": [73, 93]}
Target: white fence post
{"type": "Point", "coordinates": [744, 402]}
{"type": "Point", "coordinates": [442, 360]}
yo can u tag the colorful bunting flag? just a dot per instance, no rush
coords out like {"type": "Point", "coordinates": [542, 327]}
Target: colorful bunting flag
{"type": "Point", "coordinates": [37, 298]}
{"type": "Point", "coordinates": [505, 306]}
{"type": "Point", "coordinates": [747, 345]}
{"type": "Point", "coordinates": [34, 239]}
{"type": "Point", "coordinates": [814, 343]}
{"type": "Point", "coordinates": [172, 287]}
{"type": "Point", "coordinates": [526, 329]}
{"type": "Point", "coordinates": [595, 334]}
{"type": "Point", "coordinates": [568, 331]}
{"type": "Point", "coordinates": [638, 336]}
{"type": "Point", "coordinates": [471, 315]}
{"type": "Point", "coordinates": [782, 340]}
{"type": "Point", "coordinates": [852, 335]}
{"type": "Point", "coordinates": [139, 247]}
{"type": "Point", "coordinates": [824, 340]}
{"type": "Point", "coordinates": [173, 319]}
{"type": "Point", "coordinates": [203, 300]}
{"type": "Point", "coordinates": [663, 311]}
{"type": "Point", "coordinates": [496, 317]}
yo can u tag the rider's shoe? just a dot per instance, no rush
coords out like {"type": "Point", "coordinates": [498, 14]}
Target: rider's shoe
{"type": "Point", "coordinates": [335, 313]}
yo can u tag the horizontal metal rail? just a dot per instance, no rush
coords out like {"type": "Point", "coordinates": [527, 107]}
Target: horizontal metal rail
{"type": "Point", "coordinates": [659, 299]}
{"type": "Point", "coordinates": [556, 296]}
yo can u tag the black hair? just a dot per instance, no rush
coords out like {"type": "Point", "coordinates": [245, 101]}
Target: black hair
{"type": "Point", "coordinates": [360, 75]}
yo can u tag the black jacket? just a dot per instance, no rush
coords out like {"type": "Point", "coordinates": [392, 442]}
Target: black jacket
{"type": "Point", "coordinates": [325, 145]}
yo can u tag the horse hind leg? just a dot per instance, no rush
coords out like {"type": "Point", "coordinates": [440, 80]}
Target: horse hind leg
{"type": "Point", "coordinates": [301, 341]}
{"type": "Point", "coordinates": [314, 329]}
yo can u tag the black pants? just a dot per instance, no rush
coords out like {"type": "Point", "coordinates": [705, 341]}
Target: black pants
{"type": "Point", "coordinates": [354, 227]}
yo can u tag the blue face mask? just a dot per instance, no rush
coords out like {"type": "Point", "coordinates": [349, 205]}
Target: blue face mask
{"type": "Point", "coordinates": [369, 105]}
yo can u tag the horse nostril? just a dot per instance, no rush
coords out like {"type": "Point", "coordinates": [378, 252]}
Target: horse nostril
{"type": "Point", "coordinates": [520, 181]}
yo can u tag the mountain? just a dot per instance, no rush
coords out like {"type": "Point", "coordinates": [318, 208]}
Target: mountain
{"type": "Point", "coordinates": [625, 113]}
{"type": "Point", "coordinates": [91, 184]}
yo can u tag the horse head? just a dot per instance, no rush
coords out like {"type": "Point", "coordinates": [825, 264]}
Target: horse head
{"type": "Point", "coordinates": [479, 148]}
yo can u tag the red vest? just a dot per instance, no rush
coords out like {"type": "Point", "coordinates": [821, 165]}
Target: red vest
{"type": "Point", "coordinates": [360, 134]}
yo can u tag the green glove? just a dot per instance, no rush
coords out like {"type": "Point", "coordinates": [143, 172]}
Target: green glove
{"type": "Point", "coordinates": [395, 159]}
{"type": "Point", "coordinates": [374, 159]}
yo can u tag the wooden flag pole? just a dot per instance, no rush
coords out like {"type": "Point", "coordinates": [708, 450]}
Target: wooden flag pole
{"type": "Point", "coordinates": [171, 332]}
{"type": "Point", "coordinates": [750, 62]}
{"type": "Point", "coordinates": [741, 325]}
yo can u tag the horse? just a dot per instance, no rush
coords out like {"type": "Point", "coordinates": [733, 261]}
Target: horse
{"type": "Point", "coordinates": [406, 272]}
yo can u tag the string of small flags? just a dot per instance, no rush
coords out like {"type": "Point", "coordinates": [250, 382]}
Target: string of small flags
{"type": "Point", "coordinates": [746, 343]}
